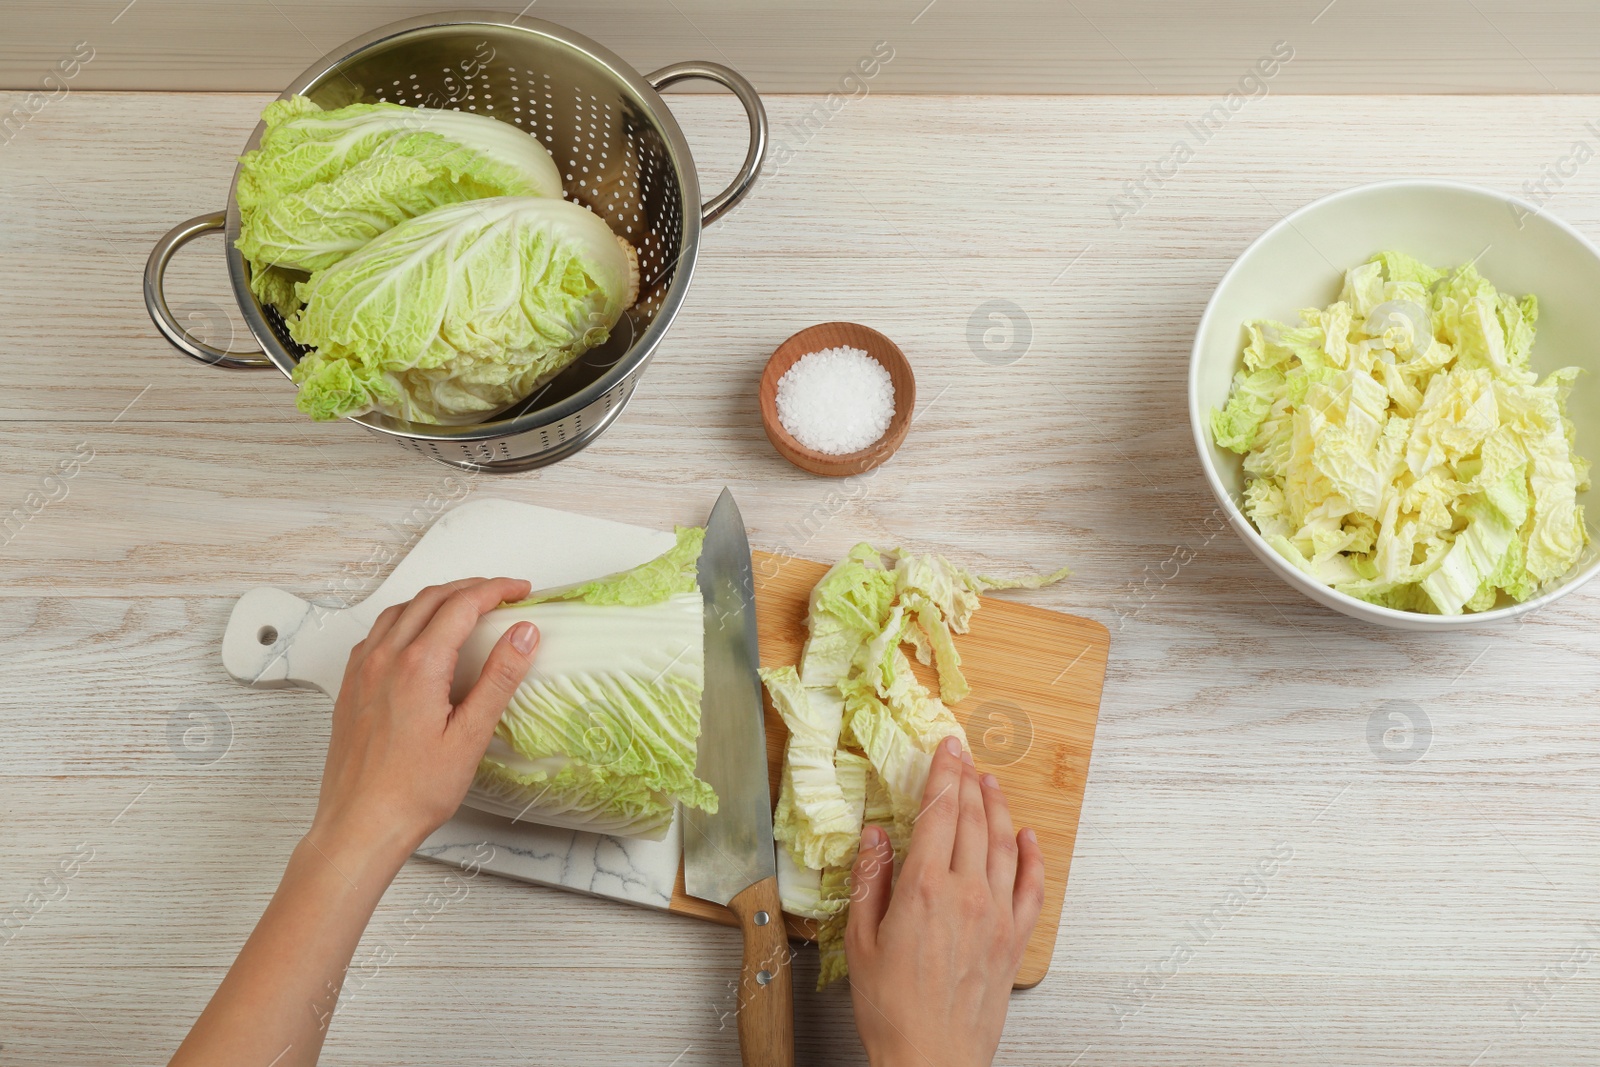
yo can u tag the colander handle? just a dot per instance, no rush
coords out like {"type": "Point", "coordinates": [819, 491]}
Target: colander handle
{"type": "Point", "coordinates": [720, 204]}
{"type": "Point", "coordinates": [155, 299]}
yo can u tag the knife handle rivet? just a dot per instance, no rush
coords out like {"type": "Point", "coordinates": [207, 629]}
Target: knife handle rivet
{"type": "Point", "coordinates": [762, 918]}
{"type": "Point", "coordinates": [763, 977]}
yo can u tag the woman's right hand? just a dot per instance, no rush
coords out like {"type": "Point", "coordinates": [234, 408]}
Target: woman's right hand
{"type": "Point", "coordinates": [932, 958]}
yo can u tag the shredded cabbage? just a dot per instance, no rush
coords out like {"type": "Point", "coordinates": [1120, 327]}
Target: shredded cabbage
{"type": "Point", "coordinates": [820, 802]}
{"type": "Point", "coordinates": [862, 728]}
{"type": "Point", "coordinates": [1398, 447]}
{"type": "Point", "coordinates": [602, 734]}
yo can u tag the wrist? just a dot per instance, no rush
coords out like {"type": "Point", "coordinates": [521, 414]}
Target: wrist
{"type": "Point", "coordinates": [364, 855]}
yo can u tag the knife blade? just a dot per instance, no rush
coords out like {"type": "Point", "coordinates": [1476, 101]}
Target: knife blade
{"type": "Point", "coordinates": [728, 857]}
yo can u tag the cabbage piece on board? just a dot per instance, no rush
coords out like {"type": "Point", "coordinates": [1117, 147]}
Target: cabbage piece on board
{"type": "Point", "coordinates": [820, 801]}
{"type": "Point", "coordinates": [830, 932]}
{"type": "Point", "coordinates": [862, 727]}
{"type": "Point", "coordinates": [459, 313]}
{"type": "Point", "coordinates": [849, 606]}
{"type": "Point", "coordinates": [824, 896]}
{"type": "Point", "coordinates": [939, 598]}
{"type": "Point", "coordinates": [602, 735]}
{"type": "Point", "coordinates": [324, 183]}
{"type": "Point", "coordinates": [918, 712]}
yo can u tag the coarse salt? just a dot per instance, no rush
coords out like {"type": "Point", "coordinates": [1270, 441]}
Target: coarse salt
{"type": "Point", "coordinates": [836, 401]}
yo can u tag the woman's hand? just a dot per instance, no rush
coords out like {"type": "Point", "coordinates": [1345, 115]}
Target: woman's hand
{"type": "Point", "coordinates": [401, 756]}
{"type": "Point", "coordinates": [932, 958]}
{"type": "Point", "coordinates": [399, 762]}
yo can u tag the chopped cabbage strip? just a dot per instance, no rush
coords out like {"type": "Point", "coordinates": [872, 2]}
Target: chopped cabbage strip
{"type": "Point", "coordinates": [848, 606]}
{"type": "Point", "coordinates": [820, 800]}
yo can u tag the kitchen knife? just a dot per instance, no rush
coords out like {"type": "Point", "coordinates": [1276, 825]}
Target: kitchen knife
{"type": "Point", "coordinates": [728, 857]}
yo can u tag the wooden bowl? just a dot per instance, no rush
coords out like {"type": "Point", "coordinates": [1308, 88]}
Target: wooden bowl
{"type": "Point", "coordinates": [839, 335]}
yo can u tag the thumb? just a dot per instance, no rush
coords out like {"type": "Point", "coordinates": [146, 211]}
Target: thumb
{"type": "Point", "coordinates": [502, 672]}
{"type": "Point", "coordinates": [871, 883]}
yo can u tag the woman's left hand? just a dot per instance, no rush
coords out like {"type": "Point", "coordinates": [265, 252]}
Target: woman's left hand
{"type": "Point", "coordinates": [400, 760]}
{"type": "Point", "coordinates": [401, 755]}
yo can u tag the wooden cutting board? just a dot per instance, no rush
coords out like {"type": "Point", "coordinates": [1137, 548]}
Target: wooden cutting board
{"type": "Point", "coordinates": [1036, 677]}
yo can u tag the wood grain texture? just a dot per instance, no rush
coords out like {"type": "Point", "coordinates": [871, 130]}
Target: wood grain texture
{"type": "Point", "coordinates": [766, 979]}
{"type": "Point", "coordinates": [1429, 915]}
{"type": "Point", "coordinates": [1036, 677]}
{"type": "Point", "coordinates": [952, 46]}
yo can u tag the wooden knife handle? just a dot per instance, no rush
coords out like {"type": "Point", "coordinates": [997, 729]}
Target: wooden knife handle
{"type": "Point", "coordinates": [766, 991]}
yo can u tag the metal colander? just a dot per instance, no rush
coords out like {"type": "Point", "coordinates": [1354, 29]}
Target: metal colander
{"type": "Point", "coordinates": [620, 152]}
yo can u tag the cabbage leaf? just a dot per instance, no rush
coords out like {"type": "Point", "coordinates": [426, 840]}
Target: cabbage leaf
{"type": "Point", "coordinates": [862, 727]}
{"type": "Point", "coordinates": [849, 606]}
{"type": "Point", "coordinates": [820, 801]}
{"type": "Point", "coordinates": [672, 573]}
{"type": "Point", "coordinates": [324, 183]}
{"type": "Point", "coordinates": [459, 313]}
{"type": "Point", "coordinates": [603, 733]}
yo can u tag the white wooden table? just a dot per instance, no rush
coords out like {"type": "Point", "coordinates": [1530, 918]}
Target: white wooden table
{"type": "Point", "coordinates": [1442, 910]}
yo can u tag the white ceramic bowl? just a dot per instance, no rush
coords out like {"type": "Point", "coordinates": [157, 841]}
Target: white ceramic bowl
{"type": "Point", "coordinates": [1300, 262]}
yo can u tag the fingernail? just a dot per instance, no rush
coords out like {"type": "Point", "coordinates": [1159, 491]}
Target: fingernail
{"type": "Point", "coordinates": [952, 745]}
{"type": "Point", "coordinates": [871, 837]}
{"type": "Point", "coordinates": [1028, 835]}
{"type": "Point", "coordinates": [991, 781]}
{"type": "Point", "coordinates": [966, 757]}
{"type": "Point", "coordinates": [523, 635]}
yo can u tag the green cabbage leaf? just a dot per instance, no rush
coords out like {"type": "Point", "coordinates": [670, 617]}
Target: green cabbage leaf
{"type": "Point", "coordinates": [673, 573]}
{"type": "Point", "coordinates": [603, 733]}
{"type": "Point", "coordinates": [849, 606]}
{"type": "Point", "coordinates": [457, 314]}
{"type": "Point", "coordinates": [820, 798]}
{"type": "Point", "coordinates": [324, 183]}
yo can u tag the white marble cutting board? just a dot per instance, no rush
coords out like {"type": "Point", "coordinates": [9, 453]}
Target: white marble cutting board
{"type": "Point", "coordinates": [275, 639]}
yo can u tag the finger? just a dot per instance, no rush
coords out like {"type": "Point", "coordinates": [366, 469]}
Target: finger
{"type": "Point", "coordinates": [362, 662]}
{"type": "Point", "coordinates": [352, 669]}
{"type": "Point", "coordinates": [455, 618]}
{"type": "Point", "coordinates": [871, 883]}
{"type": "Point", "coordinates": [1002, 841]}
{"type": "Point", "coordinates": [1028, 896]}
{"type": "Point", "coordinates": [971, 852]}
{"type": "Point", "coordinates": [502, 672]}
{"type": "Point", "coordinates": [384, 623]}
{"type": "Point", "coordinates": [934, 835]}
{"type": "Point", "coordinates": [416, 614]}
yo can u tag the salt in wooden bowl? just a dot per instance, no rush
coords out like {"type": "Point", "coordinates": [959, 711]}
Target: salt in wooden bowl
{"type": "Point", "coordinates": [838, 335]}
